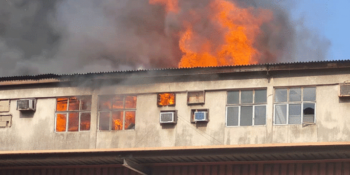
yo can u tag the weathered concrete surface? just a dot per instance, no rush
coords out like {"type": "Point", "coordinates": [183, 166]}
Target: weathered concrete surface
{"type": "Point", "coordinates": [36, 132]}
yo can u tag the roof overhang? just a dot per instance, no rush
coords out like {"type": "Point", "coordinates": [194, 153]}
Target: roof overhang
{"type": "Point", "coordinates": [179, 155]}
{"type": "Point", "coordinates": [267, 69]}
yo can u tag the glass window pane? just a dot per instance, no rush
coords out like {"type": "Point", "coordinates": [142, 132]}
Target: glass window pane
{"type": "Point", "coordinates": [85, 119]}
{"type": "Point", "coordinates": [246, 116]}
{"type": "Point", "coordinates": [130, 102]}
{"type": "Point", "coordinates": [117, 102]}
{"type": "Point", "coordinates": [309, 94]}
{"type": "Point", "coordinates": [232, 116]}
{"type": "Point", "coordinates": [280, 95]}
{"type": "Point", "coordinates": [309, 113]}
{"type": "Point", "coordinates": [61, 104]}
{"type": "Point", "coordinates": [281, 114]}
{"type": "Point", "coordinates": [260, 96]}
{"type": "Point", "coordinates": [166, 99]}
{"type": "Point", "coordinates": [73, 104]}
{"type": "Point", "coordinates": [86, 103]}
{"type": "Point", "coordinates": [73, 121]}
{"type": "Point", "coordinates": [295, 94]}
{"type": "Point", "coordinates": [104, 120]}
{"type": "Point", "coordinates": [117, 120]}
{"type": "Point", "coordinates": [129, 120]}
{"type": "Point", "coordinates": [104, 103]}
{"type": "Point", "coordinates": [171, 99]}
{"type": "Point", "coordinates": [233, 97]}
{"type": "Point", "coordinates": [247, 97]}
{"type": "Point", "coordinates": [260, 115]}
{"type": "Point", "coordinates": [294, 114]}
{"type": "Point", "coordinates": [61, 120]}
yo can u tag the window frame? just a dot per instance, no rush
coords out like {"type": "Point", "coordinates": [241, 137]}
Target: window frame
{"type": "Point", "coordinates": [158, 97]}
{"type": "Point", "coordinates": [288, 102]}
{"type": "Point", "coordinates": [239, 105]}
{"type": "Point", "coordinates": [110, 111]}
{"type": "Point", "coordinates": [195, 103]}
{"type": "Point", "coordinates": [80, 111]}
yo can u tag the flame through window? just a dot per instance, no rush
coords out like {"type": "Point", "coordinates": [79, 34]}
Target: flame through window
{"type": "Point", "coordinates": [117, 112]}
{"type": "Point", "coordinates": [166, 99]}
{"type": "Point", "coordinates": [73, 114]}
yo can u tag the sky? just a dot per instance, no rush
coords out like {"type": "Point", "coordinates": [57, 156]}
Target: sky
{"type": "Point", "coordinates": [330, 19]}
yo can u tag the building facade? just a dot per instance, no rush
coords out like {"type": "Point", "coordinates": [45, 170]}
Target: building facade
{"type": "Point", "coordinates": [286, 118]}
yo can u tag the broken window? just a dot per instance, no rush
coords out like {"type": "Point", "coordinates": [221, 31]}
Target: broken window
{"type": "Point", "coordinates": [166, 99]}
{"type": "Point", "coordinates": [73, 114]}
{"type": "Point", "coordinates": [246, 107]}
{"type": "Point", "coordinates": [295, 105]}
{"type": "Point", "coordinates": [117, 112]}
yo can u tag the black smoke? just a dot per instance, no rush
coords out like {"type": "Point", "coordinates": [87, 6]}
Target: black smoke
{"type": "Point", "coordinates": [69, 36]}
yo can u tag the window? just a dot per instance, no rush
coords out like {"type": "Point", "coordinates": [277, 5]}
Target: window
{"type": "Point", "coordinates": [246, 107]}
{"type": "Point", "coordinates": [295, 105]}
{"type": "Point", "coordinates": [195, 98]}
{"type": "Point", "coordinates": [166, 99]}
{"type": "Point", "coordinates": [5, 121]}
{"type": "Point", "coordinates": [117, 112]}
{"type": "Point", "coordinates": [73, 114]}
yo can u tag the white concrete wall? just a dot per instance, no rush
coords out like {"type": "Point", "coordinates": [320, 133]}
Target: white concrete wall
{"type": "Point", "coordinates": [37, 132]}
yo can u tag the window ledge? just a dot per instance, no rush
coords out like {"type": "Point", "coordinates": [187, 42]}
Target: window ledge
{"type": "Point", "coordinates": [246, 126]}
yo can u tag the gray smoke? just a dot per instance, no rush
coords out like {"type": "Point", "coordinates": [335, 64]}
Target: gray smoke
{"type": "Point", "coordinates": [74, 36]}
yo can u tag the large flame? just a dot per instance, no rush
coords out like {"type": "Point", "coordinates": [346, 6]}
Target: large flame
{"type": "Point", "coordinates": [239, 28]}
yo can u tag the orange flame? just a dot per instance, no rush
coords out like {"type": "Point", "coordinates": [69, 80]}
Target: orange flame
{"type": "Point", "coordinates": [166, 99]}
{"type": "Point", "coordinates": [170, 5]}
{"type": "Point", "coordinates": [238, 27]}
{"type": "Point", "coordinates": [61, 122]}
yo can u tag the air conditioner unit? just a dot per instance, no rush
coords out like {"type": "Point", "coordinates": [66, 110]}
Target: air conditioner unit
{"type": "Point", "coordinates": [201, 116]}
{"type": "Point", "coordinates": [344, 90]}
{"type": "Point", "coordinates": [26, 105]}
{"type": "Point", "coordinates": [167, 117]}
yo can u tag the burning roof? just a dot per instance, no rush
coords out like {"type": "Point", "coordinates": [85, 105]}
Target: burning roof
{"type": "Point", "coordinates": [316, 65]}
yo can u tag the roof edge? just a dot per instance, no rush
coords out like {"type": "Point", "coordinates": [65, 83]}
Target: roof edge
{"type": "Point", "coordinates": [54, 78]}
{"type": "Point", "coordinates": [274, 145]}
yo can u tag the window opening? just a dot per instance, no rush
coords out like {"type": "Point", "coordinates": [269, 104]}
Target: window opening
{"type": "Point", "coordinates": [295, 105]}
{"type": "Point", "coordinates": [246, 107]}
{"type": "Point", "coordinates": [194, 98]}
{"type": "Point", "coordinates": [73, 114]}
{"type": "Point", "coordinates": [166, 99]}
{"type": "Point", "coordinates": [117, 112]}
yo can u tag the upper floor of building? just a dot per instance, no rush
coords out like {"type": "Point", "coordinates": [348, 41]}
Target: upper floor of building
{"type": "Point", "coordinates": [294, 103]}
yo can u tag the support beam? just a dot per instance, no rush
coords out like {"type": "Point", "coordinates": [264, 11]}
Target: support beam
{"type": "Point", "coordinates": [136, 167]}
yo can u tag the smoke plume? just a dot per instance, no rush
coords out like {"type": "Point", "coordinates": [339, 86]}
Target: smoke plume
{"type": "Point", "coordinates": [75, 36]}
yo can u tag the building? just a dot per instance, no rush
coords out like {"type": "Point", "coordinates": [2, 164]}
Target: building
{"type": "Point", "coordinates": [284, 118]}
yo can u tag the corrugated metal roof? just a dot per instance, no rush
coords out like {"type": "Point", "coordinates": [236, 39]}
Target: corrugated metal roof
{"type": "Point", "coordinates": [276, 168]}
{"type": "Point", "coordinates": [176, 156]}
{"type": "Point", "coordinates": [77, 75]}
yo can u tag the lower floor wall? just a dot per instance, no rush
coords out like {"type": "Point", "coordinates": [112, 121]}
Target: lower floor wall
{"type": "Point", "coordinates": [316, 168]}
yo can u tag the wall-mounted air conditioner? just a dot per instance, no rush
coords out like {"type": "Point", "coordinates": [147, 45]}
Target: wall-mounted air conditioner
{"type": "Point", "coordinates": [26, 105]}
{"type": "Point", "coordinates": [344, 90]}
{"type": "Point", "coordinates": [201, 116]}
{"type": "Point", "coordinates": [167, 117]}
